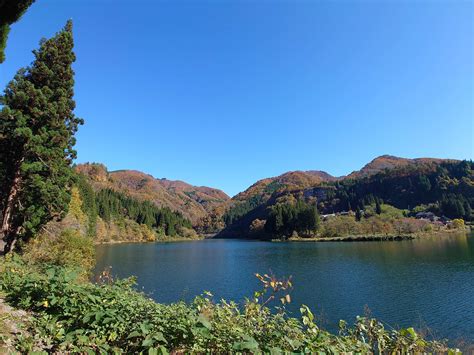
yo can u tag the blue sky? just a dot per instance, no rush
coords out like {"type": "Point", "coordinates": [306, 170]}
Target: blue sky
{"type": "Point", "coordinates": [223, 93]}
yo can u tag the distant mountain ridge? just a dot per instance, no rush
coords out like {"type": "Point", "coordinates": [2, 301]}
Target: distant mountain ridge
{"type": "Point", "coordinates": [398, 180]}
{"type": "Point", "coordinates": [193, 202]}
{"type": "Point", "coordinates": [296, 180]}
{"type": "Point", "coordinates": [205, 206]}
{"type": "Point", "coordinates": [391, 162]}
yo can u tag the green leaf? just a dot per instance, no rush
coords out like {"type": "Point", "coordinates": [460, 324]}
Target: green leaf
{"type": "Point", "coordinates": [98, 316]}
{"type": "Point", "coordinates": [249, 343]}
{"type": "Point", "coordinates": [294, 343]}
{"type": "Point", "coordinates": [133, 334]}
{"type": "Point", "coordinates": [148, 342]}
{"type": "Point", "coordinates": [145, 328]}
{"type": "Point", "coordinates": [203, 320]}
{"type": "Point", "coordinates": [159, 337]}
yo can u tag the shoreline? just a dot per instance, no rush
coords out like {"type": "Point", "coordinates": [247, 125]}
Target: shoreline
{"type": "Point", "coordinates": [348, 238]}
{"type": "Point", "coordinates": [351, 238]}
{"type": "Point", "coordinates": [374, 238]}
{"type": "Point", "coordinates": [167, 240]}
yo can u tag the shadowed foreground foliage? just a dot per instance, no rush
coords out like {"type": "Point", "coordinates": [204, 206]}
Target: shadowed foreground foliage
{"type": "Point", "coordinates": [72, 316]}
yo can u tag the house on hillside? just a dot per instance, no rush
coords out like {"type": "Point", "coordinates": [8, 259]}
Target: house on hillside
{"type": "Point", "coordinates": [430, 216]}
{"type": "Point", "coordinates": [325, 217]}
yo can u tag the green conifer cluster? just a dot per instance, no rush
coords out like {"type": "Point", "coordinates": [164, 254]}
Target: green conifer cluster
{"type": "Point", "coordinates": [448, 189]}
{"type": "Point", "coordinates": [37, 127]}
{"type": "Point", "coordinates": [113, 205]}
{"type": "Point", "coordinates": [286, 218]}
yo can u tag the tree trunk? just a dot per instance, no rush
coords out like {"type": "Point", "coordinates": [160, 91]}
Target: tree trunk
{"type": "Point", "coordinates": [8, 231]}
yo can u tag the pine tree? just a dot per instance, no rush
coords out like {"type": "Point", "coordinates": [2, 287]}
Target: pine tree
{"type": "Point", "coordinates": [279, 224]}
{"type": "Point", "coordinates": [378, 208]}
{"type": "Point", "coordinates": [37, 127]}
{"type": "Point", "coordinates": [358, 214]}
{"type": "Point", "coordinates": [460, 212]}
{"type": "Point", "coordinates": [467, 211]}
{"type": "Point", "coordinates": [315, 220]}
{"type": "Point", "coordinates": [89, 204]}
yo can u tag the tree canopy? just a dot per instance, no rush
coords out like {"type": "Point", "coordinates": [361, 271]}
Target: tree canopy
{"type": "Point", "coordinates": [286, 218]}
{"type": "Point", "coordinates": [116, 205]}
{"type": "Point", "coordinates": [37, 128]}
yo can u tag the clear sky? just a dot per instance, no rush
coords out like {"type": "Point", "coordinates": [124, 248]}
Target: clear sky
{"type": "Point", "coordinates": [223, 93]}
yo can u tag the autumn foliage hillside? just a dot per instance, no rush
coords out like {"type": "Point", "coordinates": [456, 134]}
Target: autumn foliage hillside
{"type": "Point", "coordinates": [440, 186]}
{"type": "Point", "coordinates": [193, 202]}
{"type": "Point", "coordinates": [390, 162]}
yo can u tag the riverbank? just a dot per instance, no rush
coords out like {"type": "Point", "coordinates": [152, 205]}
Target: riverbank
{"type": "Point", "coordinates": [376, 237]}
{"type": "Point", "coordinates": [158, 240]}
{"type": "Point", "coordinates": [350, 238]}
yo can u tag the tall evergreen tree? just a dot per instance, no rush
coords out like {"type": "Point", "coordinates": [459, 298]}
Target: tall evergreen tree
{"type": "Point", "coordinates": [10, 12]}
{"type": "Point", "coordinates": [37, 127]}
{"type": "Point", "coordinates": [378, 208]}
{"type": "Point", "coordinates": [467, 211]}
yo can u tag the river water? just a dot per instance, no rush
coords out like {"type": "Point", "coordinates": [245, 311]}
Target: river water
{"type": "Point", "coordinates": [426, 283]}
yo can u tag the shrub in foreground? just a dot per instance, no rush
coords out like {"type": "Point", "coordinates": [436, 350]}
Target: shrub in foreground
{"type": "Point", "coordinates": [71, 316]}
{"type": "Point", "coordinates": [69, 249]}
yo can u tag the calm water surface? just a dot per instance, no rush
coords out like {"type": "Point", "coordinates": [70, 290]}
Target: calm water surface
{"type": "Point", "coordinates": [428, 283]}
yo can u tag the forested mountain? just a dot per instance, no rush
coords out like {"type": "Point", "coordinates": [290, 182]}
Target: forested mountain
{"type": "Point", "coordinates": [444, 187]}
{"type": "Point", "coordinates": [391, 162]}
{"type": "Point", "coordinates": [193, 202]}
{"type": "Point", "coordinates": [260, 192]}
{"type": "Point", "coordinates": [406, 187]}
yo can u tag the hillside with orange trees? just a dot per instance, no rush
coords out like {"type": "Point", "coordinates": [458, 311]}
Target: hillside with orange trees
{"type": "Point", "coordinates": [193, 202]}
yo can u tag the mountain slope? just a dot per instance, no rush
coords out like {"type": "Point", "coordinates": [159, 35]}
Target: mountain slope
{"type": "Point", "coordinates": [260, 192]}
{"type": "Point", "coordinates": [389, 162]}
{"type": "Point", "coordinates": [444, 186]}
{"type": "Point", "coordinates": [286, 182]}
{"type": "Point", "coordinates": [300, 180]}
{"type": "Point", "coordinates": [193, 202]}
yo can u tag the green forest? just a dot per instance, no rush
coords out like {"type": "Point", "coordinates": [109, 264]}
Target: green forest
{"type": "Point", "coordinates": [112, 204]}
{"type": "Point", "coordinates": [446, 190]}
{"type": "Point", "coordinates": [286, 218]}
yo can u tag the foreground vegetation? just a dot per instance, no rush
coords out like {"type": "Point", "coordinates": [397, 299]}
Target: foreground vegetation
{"type": "Point", "coordinates": [71, 315]}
